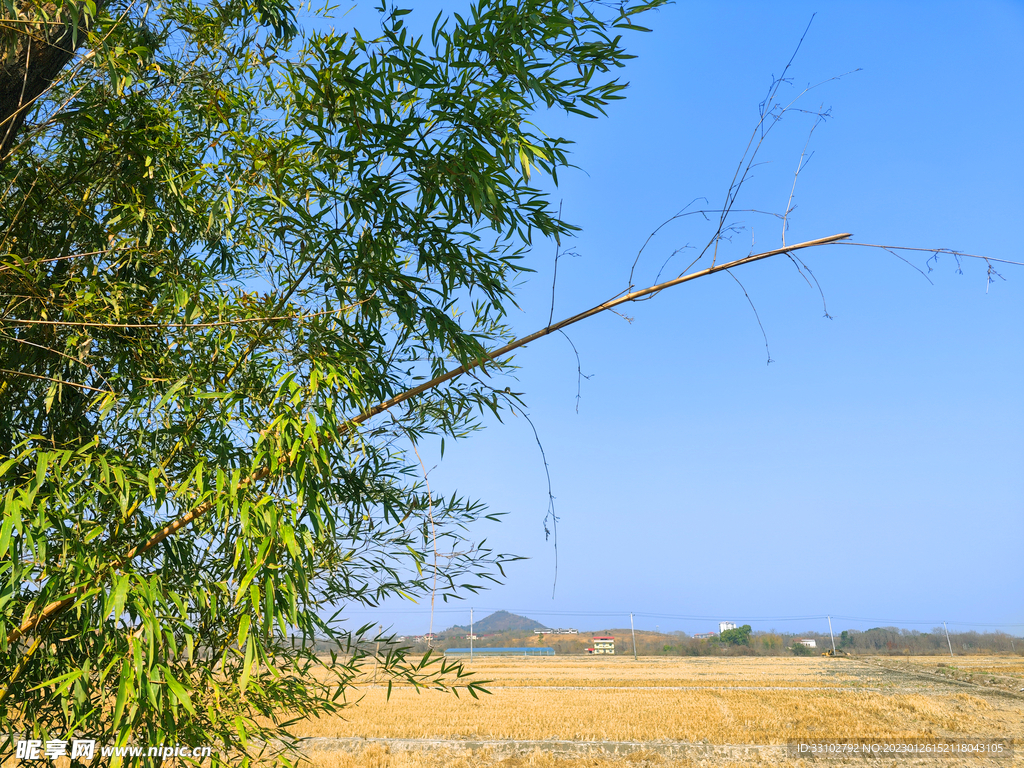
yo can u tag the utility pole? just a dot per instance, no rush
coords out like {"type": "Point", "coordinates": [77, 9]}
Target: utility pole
{"type": "Point", "coordinates": [634, 634]}
{"type": "Point", "coordinates": [376, 654]}
{"type": "Point", "coordinates": [947, 639]}
{"type": "Point", "coordinates": [831, 635]}
{"type": "Point", "coordinates": [470, 634]}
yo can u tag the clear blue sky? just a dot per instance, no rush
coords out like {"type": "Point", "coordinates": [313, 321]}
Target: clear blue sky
{"type": "Point", "coordinates": [874, 469]}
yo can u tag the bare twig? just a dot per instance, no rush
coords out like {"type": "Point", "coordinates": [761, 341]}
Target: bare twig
{"type": "Point", "coordinates": [579, 370]}
{"type": "Point", "coordinates": [800, 165]}
{"type": "Point", "coordinates": [909, 263]}
{"type": "Point", "coordinates": [672, 256]}
{"type": "Point", "coordinates": [766, 109]}
{"type": "Point", "coordinates": [551, 496]}
{"type": "Point", "coordinates": [756, 316]}
{"type": "Point", "coordinates": [554, 276]}
{"type": "Point", "coordinates": [661, 226]}
{"type": "Point", "coordinates": [801, 268]}
{"type": "Point", "coordinates": [947, 251]}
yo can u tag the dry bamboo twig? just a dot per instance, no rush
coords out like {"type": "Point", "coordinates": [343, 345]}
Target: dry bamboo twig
{"type": "Point", "coordinates": [57, 607]}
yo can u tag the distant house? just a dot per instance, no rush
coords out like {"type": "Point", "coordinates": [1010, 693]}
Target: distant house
{"type": "Point", "coordinates": [807, 642]}
{"type": "Point", "coordinates": [556, 631]}
{"type": "Point", "coordinates": [604, 645]}
{"type": "Point", "coordinates": [725, 626]}
{"type": "Point", "coordinates": [704, 635]}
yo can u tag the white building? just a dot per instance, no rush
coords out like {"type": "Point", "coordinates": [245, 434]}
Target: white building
{"type": "Point", "coordinates": [723, 626]}
{"type": "Point", "coordinates": [810, 643]}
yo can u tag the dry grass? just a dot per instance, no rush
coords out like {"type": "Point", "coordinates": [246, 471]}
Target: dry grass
{"type": "Point", "coordinates": [621, 671]}
{"type": "Point", "coordinates": [378, 756]}
{"type": "Point", "coordinates": [717, 701]}
{"type": "Point", "coordinates": [722, 701]}
{"type": "Point", "coordinates": [1010, 666]}
{"type": "Point", "coordinates": [721, 717]}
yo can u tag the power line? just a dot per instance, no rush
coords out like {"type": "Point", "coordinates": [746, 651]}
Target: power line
{"type": "Point", "coordinates": [695, 618]}
{"type": "Point", "coordinates": [932, 622]}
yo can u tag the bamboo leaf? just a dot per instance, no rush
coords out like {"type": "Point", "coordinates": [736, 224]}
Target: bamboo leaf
{"type": "Point", "coordinates": [179, 692]}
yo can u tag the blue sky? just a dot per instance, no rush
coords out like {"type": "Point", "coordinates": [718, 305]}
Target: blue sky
{"type": "Point", "coordinates": [874, 468]}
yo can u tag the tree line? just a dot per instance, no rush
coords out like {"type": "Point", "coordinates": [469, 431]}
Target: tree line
{"type": "Point", "coordinates": [742, 641]}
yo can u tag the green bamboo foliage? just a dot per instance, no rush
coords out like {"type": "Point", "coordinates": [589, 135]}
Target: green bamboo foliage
{"type": "Point", "coordinates": [223, 237]}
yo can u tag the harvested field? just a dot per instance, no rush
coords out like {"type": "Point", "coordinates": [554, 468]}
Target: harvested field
{"type": "Point", "coordinates": [567, 712]}
{"type": "Point", "coordinates": [1010, 667]}
{"type": "Point", "coordinates": [657, 672]}
{"type": "Point", "coordinates": [382, 757]}
{"type": "Point", "coordinates": [969, 673]}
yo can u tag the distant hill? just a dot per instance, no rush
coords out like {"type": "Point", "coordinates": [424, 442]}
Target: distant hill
{"type": "Point", "coordinates": [500, 621]}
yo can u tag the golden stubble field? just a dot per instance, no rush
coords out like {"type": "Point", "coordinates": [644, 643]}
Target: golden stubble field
{"type": "Point", "coordinates": [718, 701]}
{"type": "Point", "coordinates": [1012, 666]}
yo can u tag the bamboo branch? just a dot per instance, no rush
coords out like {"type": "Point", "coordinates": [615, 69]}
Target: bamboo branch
{"type": "Point", "coordinates": [57, 607]}
{"type": "Point", "coordinates": [583, 316]}
{"type": "Point", "coordinates": [188, 326]}
{"type": "Point", "coordinates": [57, 381]}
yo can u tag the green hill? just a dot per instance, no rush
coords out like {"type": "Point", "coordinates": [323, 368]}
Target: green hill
{"type": "Point", "coordinates": [500, 621]}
